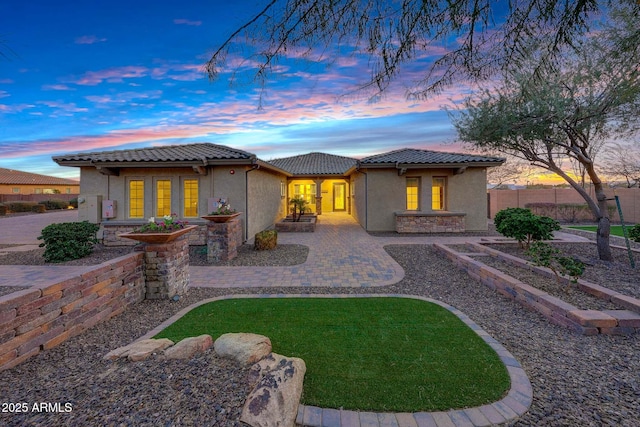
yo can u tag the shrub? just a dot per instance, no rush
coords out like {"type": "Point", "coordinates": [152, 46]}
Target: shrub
{"type": "Point", "coordinates": [266, 240]}
{"type": "Point", "coordinates": [524, 226]}
{"type": "Point", "coordinates": [3, 210]}
{"type": "Point", "coordinates": [38, 208]}
{"type": "Point", "coordinates": [74, 202]}
{"type": "Point", "coordinates": [545, 255]}
{"type": "Point", "coordinates": [54, 204]}
{"type": "Point", "coordinates": [68, 240]}
{"type": "Point", "coordinates": [634, 233]}
{"type": "Point", "coordinates": [21, 206]}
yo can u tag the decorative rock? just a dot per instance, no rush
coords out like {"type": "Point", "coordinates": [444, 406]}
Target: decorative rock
{"type": "Point", "coordinates": [139, 350]}
{"type": "Point", "coordinates": [189, 347]}
{"type": "Point", "coordinates": [244, 347]}
{"type": "Point", "coordinates": [275, 399]}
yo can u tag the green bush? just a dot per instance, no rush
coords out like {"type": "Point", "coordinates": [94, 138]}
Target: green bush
{"type": "Point", "coordinates": [74, 202]}
{"type": "Point", "coordinates": [545, 255]}
{"type": "Point", "coordinates": [3, 210]}
{"type": "Point", "coordinates": [54, 204]}
{"type": "Point", "coordinates": [38, 208]}
{"type": "Point", "coordinates": [634, 233]}
{"type": "Point", "coordinates": [68, 240]}
{"type": "Point", "coordinates": [21, 206]}
{"type": "Point", "coordinates": [524, 226]}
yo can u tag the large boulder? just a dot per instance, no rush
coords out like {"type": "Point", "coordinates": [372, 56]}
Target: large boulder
{"type": "Point", "coordinates": [274, 400]}
{"type": "Point", "coordinates": [189, 347]}
{"type": "Point", "coordinates": [139, 350]}
{"type": "Point", "coordinates": [244, 347]}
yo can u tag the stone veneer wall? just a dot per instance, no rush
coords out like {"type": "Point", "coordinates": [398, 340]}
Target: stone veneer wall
{"type": "Point", "coordinates": [41, 317]}
{"type": "Point", "coordinates": [166, 268]}
{"type": "Point", "coordinates": [431, 222]}
{"type": "Point", "coordinates": [223, 240]}
{"type": "Point", "coordinates": [196, 237]}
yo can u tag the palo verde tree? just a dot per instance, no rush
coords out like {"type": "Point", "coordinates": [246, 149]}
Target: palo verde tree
{"type": "Point", "coordinates": [592, 96]}
{"type": "Point", "coordinates": [469, 39]}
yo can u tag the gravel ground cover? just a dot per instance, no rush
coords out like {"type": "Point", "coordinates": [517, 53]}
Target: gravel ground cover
{"type": "Point", "coordinates": [577, 380]}
{"type": "Point", "coordinates": [569, 294]}
{"type": "Point", "coordinates": [617, 275]}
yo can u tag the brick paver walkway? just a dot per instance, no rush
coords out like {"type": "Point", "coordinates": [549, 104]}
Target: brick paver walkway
{"type": "Point", "coordinates": [341, 254]}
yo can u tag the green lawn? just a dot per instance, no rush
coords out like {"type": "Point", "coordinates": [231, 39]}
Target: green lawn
{"type": "Point", "coordinates": [375, 354]}
{"type": "Point", "coordinates": [616, 230]}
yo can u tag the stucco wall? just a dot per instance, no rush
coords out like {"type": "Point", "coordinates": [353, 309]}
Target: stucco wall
{"type": "Point", "coordinates": [465, 192]}
{"type": "Point", "coordinates": [468, 193]}
{"type": "Point", "coordinates": [358, 200]}
{"type": "Point", "coordinates": [266, 206]}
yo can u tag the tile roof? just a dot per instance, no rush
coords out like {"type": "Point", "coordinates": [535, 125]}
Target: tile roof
{"type": "Point", "coordinates": [173, 153]}
{"type": "Point", "coordinates": [410, 156]}
{"type": "Point", "coordinates": [315, 164]}
{"type": "Point", "coordinates": [15, 177]}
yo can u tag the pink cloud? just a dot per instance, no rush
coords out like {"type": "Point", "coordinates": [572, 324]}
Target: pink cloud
{"type": "Point", "coordinates": [112, 75]}
{"type": "Point", "coordinates": [89, 40]}
{"type": "Point", "coordinates": [187, 22]}
{"type": "Point", "coordinates": [56, 87]}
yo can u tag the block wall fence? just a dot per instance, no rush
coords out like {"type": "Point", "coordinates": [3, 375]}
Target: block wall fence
{"type": "Point", "coordinates": [502, 199]}
{"type": "Point", "coordinates": [42, 317]}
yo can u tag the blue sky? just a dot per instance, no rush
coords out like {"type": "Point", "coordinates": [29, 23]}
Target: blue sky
{"type": "Point", "coordinates": [108, 74]}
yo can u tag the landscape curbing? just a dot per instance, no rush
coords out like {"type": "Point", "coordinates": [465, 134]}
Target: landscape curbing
{"type": "Point", "coordinates": [512, 406]}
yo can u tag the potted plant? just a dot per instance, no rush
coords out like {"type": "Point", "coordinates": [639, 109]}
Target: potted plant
{"type": "Point", "coordinates": [222, 213]}
{"type": "Point", "coordinates": [165, 230]}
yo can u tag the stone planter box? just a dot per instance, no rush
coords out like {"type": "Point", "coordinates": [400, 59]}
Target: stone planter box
{"type": "Point", "coordinates": [158, 237]}
{"type": "Point", "coordinates": [307, 224]}
{"type": "Point", "coordinates": [220, 219]}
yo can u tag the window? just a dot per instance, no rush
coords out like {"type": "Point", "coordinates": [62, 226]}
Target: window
{"type": "Point", "coordinates": [136, 198]}
{"type": "Point", "coordinates": [67, 190]}
{"type": "Point", "coordinates": [15, 190]}
{"type": "Point", "coordinates": [437, 193]}
{"type": "Point", "coordinates": [163, 197]}
{"type": "Point", "coordinates": [412, 194]}
{"type": "Point", "coordinates": [38, 191]}
{"type": "Point", "coordinates": [307, 191]}
{"type": "Point", "coordinates": [190, 197]}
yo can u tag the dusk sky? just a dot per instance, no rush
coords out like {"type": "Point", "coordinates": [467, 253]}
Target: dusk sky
{"type": "Point", "coordinates": [105, 75]}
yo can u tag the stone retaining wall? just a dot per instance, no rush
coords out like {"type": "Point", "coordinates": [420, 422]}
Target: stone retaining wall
{"type": "Point", "coordinates": [223, 240]}
{"type": "Point", "coordinates": [587, 322]}
{"type": "Point", "coordinates": [430, 222]}
{"type": "Point", "coordinates": [41, 317]}
{"type": "Point", "coordinates": [166, 268]}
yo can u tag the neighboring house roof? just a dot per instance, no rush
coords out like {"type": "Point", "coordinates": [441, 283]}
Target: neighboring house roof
{"type": "Point", "coordinates": [204, 153]}
{"type": "Point", "coordinates": [15, 177]}
{"type": "Point", "coordinates": [415, 157]}
{"type": "Point", "coordinates": [316, 164]}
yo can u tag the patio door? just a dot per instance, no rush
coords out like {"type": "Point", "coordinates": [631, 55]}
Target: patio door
{"type": "Point", "coordinates": [339, 196]}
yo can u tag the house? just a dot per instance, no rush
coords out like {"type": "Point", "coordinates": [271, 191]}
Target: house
{"type": "Point", "coordinates": [407, 190]}
{"type": "Point", "coordinates": [323, 180]}
{"type": "Point", "coordinates": [15, 182]}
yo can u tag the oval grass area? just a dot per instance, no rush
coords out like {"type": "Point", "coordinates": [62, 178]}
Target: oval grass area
{"type": "Point", "coordinates": [382, 354]}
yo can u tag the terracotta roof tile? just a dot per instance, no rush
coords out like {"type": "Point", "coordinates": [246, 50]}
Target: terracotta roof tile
{"type": "Point", "coordinates": [315, 164]}
{"type": "Point", "coordinates": [171, 153]}
{"type": "Point", "coordinates": [15, 177]}
{"type": "Point", "coordinates": [415, 156]}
